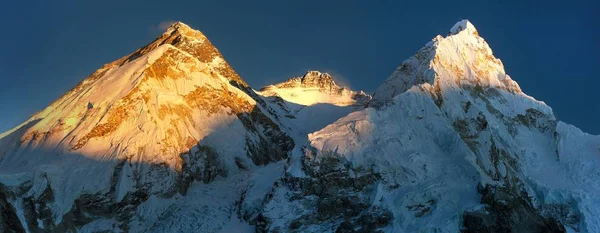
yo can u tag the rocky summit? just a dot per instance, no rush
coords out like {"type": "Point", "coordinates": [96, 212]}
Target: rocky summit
{"type": "Point", "coordinates": [171, 139]}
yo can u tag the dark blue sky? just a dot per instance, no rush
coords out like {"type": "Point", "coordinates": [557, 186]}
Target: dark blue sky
{"type": "Point", "coordinates": [551, 48]}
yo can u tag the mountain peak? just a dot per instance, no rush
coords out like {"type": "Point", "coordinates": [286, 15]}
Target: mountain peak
{"type": "Point", "coordinates": [311, 79]}
{"type": "Point", "coordinates": [313, 75]}
{"type": "Point", "coordinates": [194, 43]}
{"type": "Point", "coordinates": [461, 59]}
{"type": "Point", "coordinates": [178, 24]}
{"type": "Point", "coordinates": [147, 120]}
{"type": "Point", "coordinates": [181, 29]}
{"type": "Point", "coordinates": [314, 87]}
{"type": "Point", "coordinates": [463, 25]}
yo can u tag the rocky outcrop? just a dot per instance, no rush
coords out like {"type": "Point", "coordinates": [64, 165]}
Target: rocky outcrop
{"type": "Point", "coordinates": [312, 79]}
{"type": "Point", "coordinates": [505, 212]}
{"type": "Point", "coordinates": [9, 221]}
{"type": "Point", "coordinates": [333, 196]}
{"type": "Point", "coordinates": [272, 144]}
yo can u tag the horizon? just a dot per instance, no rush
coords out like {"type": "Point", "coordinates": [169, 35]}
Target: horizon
{"type": "Point", "coordinates": [260, 56]}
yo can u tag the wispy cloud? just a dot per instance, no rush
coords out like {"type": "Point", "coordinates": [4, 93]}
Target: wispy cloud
{"type": "Point", "coordinates": [163, 25]}
{"type": "Point", "coordinates": [339, 79]}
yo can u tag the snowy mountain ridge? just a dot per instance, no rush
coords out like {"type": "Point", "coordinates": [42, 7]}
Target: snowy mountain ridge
{"type": "Point", "coordinates": [315, 87]}
{"type": "Point", "coordinates": [450, 144]}
{"type": "Point", "coordinates": [170, 139]}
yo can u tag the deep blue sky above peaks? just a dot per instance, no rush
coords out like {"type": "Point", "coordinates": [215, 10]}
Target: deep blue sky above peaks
{"type": "Point", "coordinates": [551, 48]}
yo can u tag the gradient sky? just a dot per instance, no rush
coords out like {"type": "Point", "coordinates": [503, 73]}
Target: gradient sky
{"type": "Point", "coordinates": [551, 48]}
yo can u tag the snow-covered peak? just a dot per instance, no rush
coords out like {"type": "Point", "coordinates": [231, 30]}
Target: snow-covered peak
{"type": "Point", "coordinates": [141, 124]}
{"type": "Point", "coordinates": [169, 82]}
{"type": "Point", "coordinates": [192, 42]}
{"type": "Point", "coordinates": [461, 59]}
{"type": "Point", "coordinates": [314, 87]}
{"type": "Point", "coordinates": [178, 24]}
{"type": "Point", "coordinates": [447, 122]}
{"type": "Point", "coordinates": [463, 25]}
{"type": "Point", "coordinates": [181, 29]}
{"type": "Point", "coordinates": [317, 75]}
{"type": "Point", "coordinates": [312, 79]}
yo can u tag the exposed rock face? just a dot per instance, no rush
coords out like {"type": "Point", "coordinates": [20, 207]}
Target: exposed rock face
{"type": "Point", "coordinates": [505, 212]}
{"type": "Point", "coordinates": [194, 43]}
{"type": "Point", "coordinates": [312, 79]}
{"type": "Point", "coordinates": [9, 221]}
{"type": "Point", "coordinates": [333, 197]}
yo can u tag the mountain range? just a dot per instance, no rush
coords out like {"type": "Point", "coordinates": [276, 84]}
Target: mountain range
{"type": "Point", "coordinates": [171, 139]}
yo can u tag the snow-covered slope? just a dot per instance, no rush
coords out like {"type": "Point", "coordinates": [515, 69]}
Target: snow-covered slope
{"type": "Point", "coordinates": [449, 144]}
{"type": "Point", "coordinates": [312, 101]}
{"type": "Point", "coordinates": [147, 125]}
